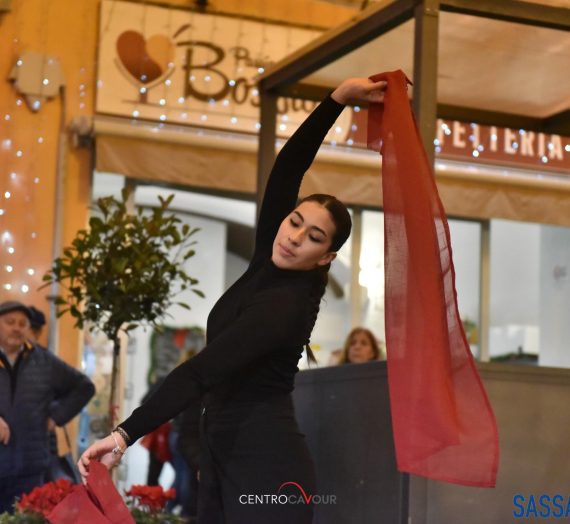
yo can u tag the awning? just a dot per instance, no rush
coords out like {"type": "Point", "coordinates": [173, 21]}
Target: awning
{"type": "Point", "coordinates": [227, 163]}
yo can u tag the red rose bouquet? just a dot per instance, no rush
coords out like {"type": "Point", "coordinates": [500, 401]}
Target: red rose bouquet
{"type": "Point", "coordinates": [148, 503]}
{"type": "Point", "coordinates": [152, 498]}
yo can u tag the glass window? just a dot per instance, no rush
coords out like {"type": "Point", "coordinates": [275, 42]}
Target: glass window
{"type": "Point", "coordinates": [371, 273]}
{"type": "Point", "coordinates": [554, 298]}
{"type": "Point", "coordinates": [530, 293]}
{"type": "Point", "coordinates": [515, 293]}
{"type": "Point", "coordinates": [466, 249]}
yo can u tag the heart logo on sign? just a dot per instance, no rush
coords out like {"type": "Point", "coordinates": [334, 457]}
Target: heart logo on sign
{"type": "Point", "coordinates": [145, 60]}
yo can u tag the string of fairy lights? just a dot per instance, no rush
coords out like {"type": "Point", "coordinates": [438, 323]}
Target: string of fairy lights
{"type": "Point", "coordinates": [24, 193]}
{"type": "Point", "coordinates": [19, 186]}
{"type": "Point", "coordinates": [168, 103]}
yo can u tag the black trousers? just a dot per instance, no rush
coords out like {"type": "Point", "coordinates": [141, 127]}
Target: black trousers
{"type": "Point", "coordinates": [255, 467]}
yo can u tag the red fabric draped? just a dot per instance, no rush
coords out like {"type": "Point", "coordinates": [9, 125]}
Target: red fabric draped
{"type": "Point", "coordinates": [97, 503]}
{"type": "Point", "coordinates": [444, 426]}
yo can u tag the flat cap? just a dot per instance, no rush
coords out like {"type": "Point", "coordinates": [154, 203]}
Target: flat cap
{"type": "Point", "coordinates": [12, 305]}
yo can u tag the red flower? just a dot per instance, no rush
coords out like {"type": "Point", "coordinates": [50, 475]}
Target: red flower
{"type": "Point", "coordinates": [153, 497]}
{"type": "Point", "coordinates": [44, 498]}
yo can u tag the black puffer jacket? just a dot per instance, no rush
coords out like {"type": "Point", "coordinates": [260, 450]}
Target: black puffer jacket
{"type": "Point", "coordinates": [37, 387]}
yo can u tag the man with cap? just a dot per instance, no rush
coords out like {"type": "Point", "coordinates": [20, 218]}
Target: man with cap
{"type": "Point", "coordinates": [36, 388]}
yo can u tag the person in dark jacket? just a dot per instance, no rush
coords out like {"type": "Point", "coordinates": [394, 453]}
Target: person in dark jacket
{"type": "Point", "coordinates": [37, 392]}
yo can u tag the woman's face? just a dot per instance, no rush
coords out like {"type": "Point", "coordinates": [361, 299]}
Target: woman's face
{"type": "Point", "coordinates": [304, 238]}
{"type": "Point", "coordinates": [360, 349]}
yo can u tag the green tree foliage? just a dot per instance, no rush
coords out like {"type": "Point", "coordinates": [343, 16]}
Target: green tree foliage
{"type": "Point", "coordinates": [120, 272]}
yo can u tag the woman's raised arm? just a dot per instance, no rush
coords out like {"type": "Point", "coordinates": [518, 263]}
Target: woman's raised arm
{"type": "Point", "coordinates": [298, 153]}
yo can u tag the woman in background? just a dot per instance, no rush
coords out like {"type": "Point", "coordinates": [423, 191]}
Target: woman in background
{"type": "Point", "coordinates": [360, 346]}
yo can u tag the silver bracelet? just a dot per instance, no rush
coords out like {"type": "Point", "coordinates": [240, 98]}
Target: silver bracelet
{"type": "Point", "coordinates": [117, 449]}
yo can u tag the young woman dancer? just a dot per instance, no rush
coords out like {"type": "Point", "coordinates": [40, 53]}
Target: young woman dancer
{"type": "Point", "coordinates": [250, 441]}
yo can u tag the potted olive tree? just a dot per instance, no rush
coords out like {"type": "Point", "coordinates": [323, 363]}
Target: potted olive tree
{"type": "Point", "coordinates": [125, 270]}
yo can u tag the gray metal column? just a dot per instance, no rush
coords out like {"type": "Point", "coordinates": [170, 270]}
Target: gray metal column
{"type": "Point", "coordinates": [426, 36]}
{"type": "Point", "coordinates": [425, 71]}
{"type": "Point", "coordinates": [485, 292]}
{"type": "Point", "coordinates": [355, 287]}
{"type": "Point", "coordinates": [266, 144]}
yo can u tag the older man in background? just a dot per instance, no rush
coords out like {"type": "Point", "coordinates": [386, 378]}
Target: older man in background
{"type": "Point", "coordinates": [37, 390]}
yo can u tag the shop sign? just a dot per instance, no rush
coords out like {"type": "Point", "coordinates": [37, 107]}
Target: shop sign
{"type": "Point", "coordinates": [502, 145]}
{"type": "Point", "coordinates": [178, 66]}
{"type": "Point", "coordinates": [477, 143]}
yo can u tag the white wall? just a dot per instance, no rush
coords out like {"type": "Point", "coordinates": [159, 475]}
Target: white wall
{"type": "Point", "coordinates": [235, 268]}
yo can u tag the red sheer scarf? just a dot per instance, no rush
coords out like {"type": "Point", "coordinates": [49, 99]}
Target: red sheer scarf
{"type": "Point", "coordinates": [444, 426]}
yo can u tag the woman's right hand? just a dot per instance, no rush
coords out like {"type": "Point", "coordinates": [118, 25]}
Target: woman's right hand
{"type": "Point", "coordinates": [360, 90]}
{"type": "Point", "coordinates": [102, 451]}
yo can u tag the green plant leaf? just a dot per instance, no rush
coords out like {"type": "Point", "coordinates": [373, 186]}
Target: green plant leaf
{"type": "Point", "coordinates": [183, 305]}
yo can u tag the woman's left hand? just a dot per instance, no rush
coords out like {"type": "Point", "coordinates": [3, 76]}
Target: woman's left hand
{"type": "Point", "coordinates": [360, 90]}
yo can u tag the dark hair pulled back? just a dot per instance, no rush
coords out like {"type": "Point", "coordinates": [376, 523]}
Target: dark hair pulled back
{"type": "Point", "coordinates": [343, 225]}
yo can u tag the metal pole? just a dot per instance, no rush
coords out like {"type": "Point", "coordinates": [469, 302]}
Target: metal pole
{"type": "Point", "coordinates": [355, 289]}
{"type": "Point", "coordinates": [485, 292]}
{"type": "Point", "coordinates": [267, 136]}
{"type": "Point", "coordinates": [425, 71]}
{"type": "Point", "coordinates": [59, 204]}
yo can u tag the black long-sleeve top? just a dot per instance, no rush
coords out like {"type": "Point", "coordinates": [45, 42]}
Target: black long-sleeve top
{"type": "Point", "coordinates": [257, 329]}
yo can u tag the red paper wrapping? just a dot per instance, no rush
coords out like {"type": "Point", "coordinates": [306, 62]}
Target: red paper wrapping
{"type": "Point", "coordinates": [444, 426]}
{"type": "Point", "coordinates": [77, 508]}
{"type": "Point", "coordinates": [101, 487]}
{"type": "Point", "coordinates": [97, 503]}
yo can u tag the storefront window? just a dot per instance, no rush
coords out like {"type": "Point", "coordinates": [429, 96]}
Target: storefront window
{"type": "Point", "coordinates": [466, 246]}
{"type": "Point", "coordinates": [371, 273]}
{"type": "Point", "coordinates": [530, 293]}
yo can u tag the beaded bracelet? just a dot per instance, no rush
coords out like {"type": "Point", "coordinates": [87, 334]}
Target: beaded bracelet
{"type": "Point", "coordinates": [123, 434]}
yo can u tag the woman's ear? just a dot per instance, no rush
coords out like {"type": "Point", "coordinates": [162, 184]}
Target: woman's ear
{"type": "Point", "coordinates": [326, 259]}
